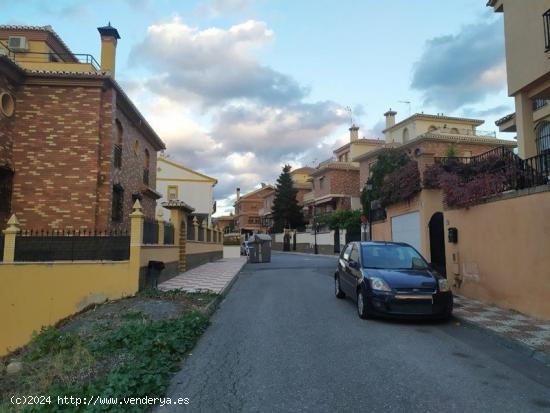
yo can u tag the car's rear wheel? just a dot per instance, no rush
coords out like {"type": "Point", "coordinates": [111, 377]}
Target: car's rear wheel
{"type": "Point", "coordinates": [337, 289]}
{"type": "Point", "coordinates": [362, 305]}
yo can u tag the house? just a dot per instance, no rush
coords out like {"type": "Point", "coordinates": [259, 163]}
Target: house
{"type": "Point", "coordinates": [177, 182]}
{"type": "Point", "coordinates": [431, 134]}
{"type": "Point", "coordinates": [247, 210]}
{"type": "Point", "coordinates": [335, 182]}
{"type": "Point", "coordinates": [527, 40]}
{"type": "Point", "coordinates": [75, 153]}
{"type": "Point", "coordinates": [225, 223]}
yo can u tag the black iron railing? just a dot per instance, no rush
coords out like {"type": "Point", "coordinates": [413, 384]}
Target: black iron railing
{"type": "Point", "coordinates": [539, 103]}
{"type": "Point", "coordinates": [518, 173]}
{"type": "Point", "coordinates": [190, 230]}
{"type": "Point", "coordinates": [546, 17]}
{"type": "Point", "coordinates": [1, 247]}
{"type": "Point", "coordinates": [168, 233]}
{"type": "Point", "coordinates": [117, 158]}
{"type": "Point", "coordinates": [41, 246]}
{"type": "Point", "coordinates": [150, 231]}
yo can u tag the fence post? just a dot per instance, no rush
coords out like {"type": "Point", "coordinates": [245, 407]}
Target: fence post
{"type": "Point", "coordinates": [216, 234]}
{"type": "Point", "coordinates": [204, 231]}
{"type": "Point", "coordinates": [136, 225]}
{"type": "Point", "coordinates": [160, 226]}
{"type": "Point", "coordinates": [220, 239]}
{"type": "Point", "coordinates": [195, 229]}
{"type": "Point", "coordinates": [9, 239]}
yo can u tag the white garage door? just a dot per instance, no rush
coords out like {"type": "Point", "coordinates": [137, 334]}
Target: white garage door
{"type": "Point", "coordinates": [406, 228]}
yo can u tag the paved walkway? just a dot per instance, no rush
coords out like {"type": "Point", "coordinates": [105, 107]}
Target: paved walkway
{"type": "Point", "coordinates": [213, 276]}
{"type": "Point", "coordinates": [530, 333]}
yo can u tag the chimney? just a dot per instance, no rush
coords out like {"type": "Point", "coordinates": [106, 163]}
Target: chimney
{"type": "Point", "coordinates": [353, 133]}
{"type": "Point", "coordinates": [109, 36]}
{"type": "Point", "coordinates": [390, 118]}
{"type": "Point", "coordinates": [238, 193]}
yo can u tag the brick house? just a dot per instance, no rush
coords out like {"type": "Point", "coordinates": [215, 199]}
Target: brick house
{"type": "Point", "coordinates": [74, 150]}
{"type": "Point", "coordinates": [247, 210]}
{"type": "Point", "coordinates": [335, 182]}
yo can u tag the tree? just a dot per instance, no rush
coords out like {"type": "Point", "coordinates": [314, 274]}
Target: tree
{"type": "Point", "coordinates": [286, 211]}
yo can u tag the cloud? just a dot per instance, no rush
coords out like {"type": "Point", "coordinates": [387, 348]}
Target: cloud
{"type": "Point", "coordinates": [222, 112]}
{"type": "Point", "coordinates": [213, 66]}
{"type": "Point", "coordinates": [215, 8]}
{"type": "Point", "coordinates": [483, 113]}
{"type": "Point", "coordinates": [464, 68]}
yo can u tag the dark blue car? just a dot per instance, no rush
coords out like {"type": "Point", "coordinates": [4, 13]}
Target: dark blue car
{"type": "Point", "coordinates": [391, 279]}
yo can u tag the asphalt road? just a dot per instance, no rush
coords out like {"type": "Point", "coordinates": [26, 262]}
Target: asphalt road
{"type": "Point", "coordinates": [281, 342]}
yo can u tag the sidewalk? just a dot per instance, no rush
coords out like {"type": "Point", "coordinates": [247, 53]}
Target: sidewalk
{"type": "Point", "coordinates": [530, 334]}
{"type": "Point", "coordinates": [213, 276]}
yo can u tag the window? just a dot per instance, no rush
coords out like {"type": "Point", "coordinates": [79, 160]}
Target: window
{"type": "Point", "coordinates": [118, 145]}
{"type": "Point", "coordinates": [321, 182]}
{"type": "Point", "coordinates": [392, 257]}
{"type": "Point", "coordinates": [347, 251]}
{"type": "Point", "coordinates": [455, 131]}
{"type": "Point", "coordinates": [172, 192]}
{"type": "Point", "coordinates": [546, 17]}
{"type": "Point", "coordinates": [543, 138]}
{"type": "Point", "coordinates": [405, 135]}
{"type": "Point", "coordinates": [118, 203]}
{"type": "Point", "coordinates": [354, 256]}
{"type": "Point", "coordinates": [146, 161]}
{"type": "Point", "coordinates": [432, 128]}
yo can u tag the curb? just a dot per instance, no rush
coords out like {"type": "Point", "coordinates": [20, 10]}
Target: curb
{"type": "Point", "coordinates": [508, 342]}
{"type": "Point", "coordinates": [306, 254]}
{"type": "Point", "coordinates": [213, 305]}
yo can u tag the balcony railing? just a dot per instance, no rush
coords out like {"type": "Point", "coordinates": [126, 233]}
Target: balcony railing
{"type": "Point", "coordinates": [546, 17]}
{"type": "Point", "coordinates": [539, 104]}
{"type": "Point", "coordinates": [463, 131]}
{"type": "Point", "coordinates": [48, 57]}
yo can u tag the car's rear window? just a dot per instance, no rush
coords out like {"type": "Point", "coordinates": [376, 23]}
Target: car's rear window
{"type": "Point", "coordinates": [392, 257]}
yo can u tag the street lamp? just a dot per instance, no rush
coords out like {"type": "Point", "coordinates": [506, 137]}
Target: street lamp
{"type": "Point", "coordinates": [315, 230]}
{"type": "Point", "coordinates": [368, 187]}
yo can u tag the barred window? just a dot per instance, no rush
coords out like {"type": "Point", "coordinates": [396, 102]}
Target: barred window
{"type": "Point", "coordinates": [118, 203]}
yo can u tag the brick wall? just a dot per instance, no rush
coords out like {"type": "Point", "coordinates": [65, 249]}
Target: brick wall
{"type": "Point", "coordinates": [63, 157]}
{"type": "Point", "coordinates": [337, 181]}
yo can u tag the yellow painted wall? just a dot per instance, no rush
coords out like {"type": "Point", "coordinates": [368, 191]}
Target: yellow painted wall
{"type": "Point", "coordinates": [40, 294]}
{"type": "Point", "coordinates": [193, 247]}
{"type": "Point", "coordinates": [164, 253]}
{"type": "Point", "coordinates": [503, 253]}
{"type": "Point", "coordinates": [526, 59]}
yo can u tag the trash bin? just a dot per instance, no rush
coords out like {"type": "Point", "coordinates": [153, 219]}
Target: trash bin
{"type": "Point", "coordinates": [154, 268]}
{"type": "Point", "coordinates": [259, 248]}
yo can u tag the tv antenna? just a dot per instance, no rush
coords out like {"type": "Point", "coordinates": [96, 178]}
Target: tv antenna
{"type": "Point", "coordinates": [407, 102]}
{"type": "Point", "coordinates": [350, 112]}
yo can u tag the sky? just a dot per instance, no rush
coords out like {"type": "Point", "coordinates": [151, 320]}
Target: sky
{"type": "Point", "coordinates": [239, 88]}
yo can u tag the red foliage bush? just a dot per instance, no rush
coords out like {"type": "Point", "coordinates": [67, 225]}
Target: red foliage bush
{"type": "Point", "coordinates": [465, 185]}
{"type": "Point", "coordinates": [401, 184]}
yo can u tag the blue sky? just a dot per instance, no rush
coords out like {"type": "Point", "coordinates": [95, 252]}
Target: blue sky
{"type": "Point", "coordinates": [239, 87]}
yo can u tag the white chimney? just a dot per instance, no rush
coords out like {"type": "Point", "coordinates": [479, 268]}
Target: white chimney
{"type": "Point", "coordinates": [390, 118]}
{"type": "Point", "coordinates": [238, 193]}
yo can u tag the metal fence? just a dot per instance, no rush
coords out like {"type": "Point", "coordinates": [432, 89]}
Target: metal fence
{"type": "Point", "coordinates": [40, 246]}
{"type": "Point", "coordinates": [169, 233]}
{"type": "Point", "coordinates": [519, 173]}
{"type": "Point", "coordinates": [150, 231]}
{"type": "Point", "coordinates": [1, 247]}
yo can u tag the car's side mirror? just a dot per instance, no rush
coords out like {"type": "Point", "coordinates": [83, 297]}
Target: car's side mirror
{"type": "Point", "coordinates": [353, 264]}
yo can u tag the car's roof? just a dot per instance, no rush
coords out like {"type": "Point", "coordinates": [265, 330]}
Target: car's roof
{"type": "Point", "coordinates": [382, 243]}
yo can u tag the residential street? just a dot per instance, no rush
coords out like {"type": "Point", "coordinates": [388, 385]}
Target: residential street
{"type": "Point", "coordinates": [281, 342]}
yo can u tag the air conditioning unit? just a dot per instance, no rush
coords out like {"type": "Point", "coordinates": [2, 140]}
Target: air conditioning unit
{"type": "Point", "coordinates": [18, 43]}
